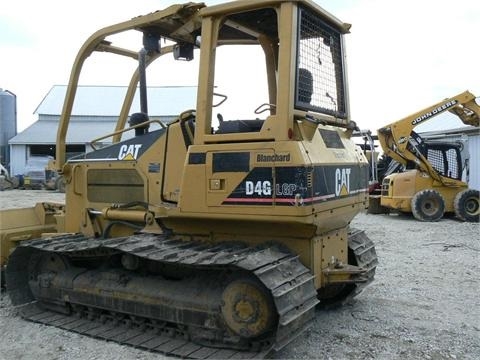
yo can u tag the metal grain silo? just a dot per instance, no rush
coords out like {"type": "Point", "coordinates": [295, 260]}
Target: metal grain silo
{"type": "Point", "coordinates": [8, 123]}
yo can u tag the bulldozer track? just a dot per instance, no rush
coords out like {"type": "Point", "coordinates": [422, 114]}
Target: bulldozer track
{"type": "Point", "coordinates": [365, 256]}
{"type": "Point", "coordinates": [290, 284]}
{"type": "Point", "coordinates": [362, 254]}
{"type": "Point", "coordinates": [136, 337]}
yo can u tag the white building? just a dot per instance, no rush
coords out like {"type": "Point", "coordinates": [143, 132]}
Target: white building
{"type": "Point", "coordinates": [94, 114]}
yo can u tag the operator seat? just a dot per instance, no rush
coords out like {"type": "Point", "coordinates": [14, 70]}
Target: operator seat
{"type": "Point", "coordinates": [187, 124]}
{"type": "Point", "coordinates": [305, 86]}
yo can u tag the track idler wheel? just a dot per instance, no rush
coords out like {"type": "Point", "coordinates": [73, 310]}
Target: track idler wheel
{"type": "Point", "coordinates": [48, 264]}
{"type": "Point", "coordinates": [248, 308]}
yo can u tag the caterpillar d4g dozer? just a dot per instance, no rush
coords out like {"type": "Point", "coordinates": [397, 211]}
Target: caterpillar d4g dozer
{"type": "Point", "coordinates": [431, 183]}
{"type": "Point", "coordinates": [199, 239]}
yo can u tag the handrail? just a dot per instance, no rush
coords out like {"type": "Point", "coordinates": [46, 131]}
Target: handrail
{"type": "Point", "coordinates": [118, 132]}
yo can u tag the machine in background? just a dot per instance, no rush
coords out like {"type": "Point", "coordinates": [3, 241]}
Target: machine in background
{"type": "Point", "coordinates": [431, 183]}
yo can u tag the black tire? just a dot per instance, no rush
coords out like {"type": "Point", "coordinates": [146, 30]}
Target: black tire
{"type": "Point", "coordinates": [428, 205]}
{"type": "Point", "coordinates": [466, 205]}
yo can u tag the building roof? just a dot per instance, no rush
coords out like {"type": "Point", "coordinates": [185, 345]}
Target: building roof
{"type": "Point", "coordinates": [465, 130]}
{"type": "Point", "coordinates": [107, 100]}
{"type": "Point", "coordinates": [96, 109]}
{"type": "Point", "coordinates": [45, 132]}
{"type": "Point", "coordinates": [442, 122]}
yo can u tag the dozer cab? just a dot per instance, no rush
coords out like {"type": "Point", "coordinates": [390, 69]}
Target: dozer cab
{"type": "Point", "coordinates": [213, 235]}
{"type": "Point", "coordinates": [431, 183]}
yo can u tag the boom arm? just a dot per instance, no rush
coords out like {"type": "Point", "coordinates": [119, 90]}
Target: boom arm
{"type": "Point", "coordinates": [397, 141]}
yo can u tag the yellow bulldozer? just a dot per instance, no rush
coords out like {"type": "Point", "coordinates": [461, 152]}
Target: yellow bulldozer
{"type": "Point", "coordinates": [431, 183]}
{"type": "Point", "coordinates": [213, 235]}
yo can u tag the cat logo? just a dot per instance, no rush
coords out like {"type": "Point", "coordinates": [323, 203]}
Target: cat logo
{"type": "Point", "coordinates": [342, 182]}
{"type": "Point", "coordinates": [129, 152]}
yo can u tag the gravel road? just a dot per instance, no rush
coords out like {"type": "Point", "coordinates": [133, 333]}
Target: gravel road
{"type": "Point", "coordinates": [424, 303]}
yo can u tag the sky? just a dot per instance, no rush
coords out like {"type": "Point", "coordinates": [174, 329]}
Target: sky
{"type": "Point", "coordinates": [402, 56]}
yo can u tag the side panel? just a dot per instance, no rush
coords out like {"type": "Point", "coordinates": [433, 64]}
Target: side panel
{"type": "Point", "coordinates": [243, 179]}
{"type": "Point", "coordinates": [398, 190]}
{"type": "Point", "coordinates": [125, 172]}
{"type": "Point", "coordinates": [297, 185]}
{"type": "Point", "coordinates": [322, 182]}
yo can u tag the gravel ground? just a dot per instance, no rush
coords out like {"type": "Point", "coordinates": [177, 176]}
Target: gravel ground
{"type": "Point", "coordinates": [424, 303]}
